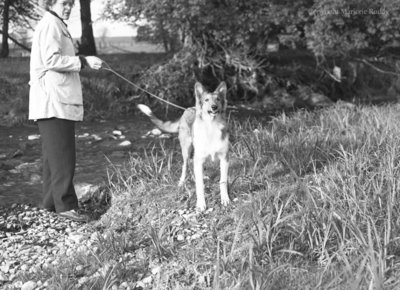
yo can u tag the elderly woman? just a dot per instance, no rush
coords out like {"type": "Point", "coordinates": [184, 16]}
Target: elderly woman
{"type": "Point", "coordinates": [55, 102]}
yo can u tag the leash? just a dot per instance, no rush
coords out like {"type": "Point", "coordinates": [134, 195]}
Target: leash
{"type": "Point", "coordinates": [108, 68]}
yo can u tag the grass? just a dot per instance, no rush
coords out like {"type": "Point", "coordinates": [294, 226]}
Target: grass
{"type": "Point", "coordinates": [315, 206]}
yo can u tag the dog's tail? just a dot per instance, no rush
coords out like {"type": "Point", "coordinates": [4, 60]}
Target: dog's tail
{"type": "Point", "coordinates": [166, 126]}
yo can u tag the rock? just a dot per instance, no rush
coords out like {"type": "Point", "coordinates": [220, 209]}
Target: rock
{"type": "Point", "coordinates": [33, 137]}
{"type": "Point", "coordinates": [76, 238]}
{"type": "Point", "coordinates": [124, 285]}
{"type": "Point", "coordinates": [125, 143]}
{"type": "Point", "coordinates": [156, 132]}
{"type": "Point", "coordinates": [313, 99]}
{"type": "Point", "coordinates": [18, 284]}
{"type": "Point", "coordinates": [319, 100]}
{"type": "Point", "coordinates": [84, 135]}
{"type": "Point", "coordinates": [117, 132]}
{"type": "Point", "coordinates": [96, 137]}
{"type": "Point", "coordinates": [85, 191]}
{"type": "Point", "coordinates": [147, 280]}
{"type": "Point", "coordinates": [165, 136]}
{"type": "Point", "coordinates": [5, 268]}
{"type": "Point", "coordinates": [35, 178]}
{"type": "Point", "coordinates": [156, 270]}
{"type": "Point", "coordinates": [30, 285]}
{"type": "Point", "coordinates": [3, 277]}
{"type": "Point", "coordinates": [153, 133]}
{"type": "Point", "coordinates": [28, 167]}
{"type": "Point", "coordinates": [17, 153]}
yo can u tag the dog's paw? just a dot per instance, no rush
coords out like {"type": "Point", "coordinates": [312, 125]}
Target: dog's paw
{"type": "Point", "coordinates": [200, 206]}
{"type": "Point", "coordinates": [225, 201]}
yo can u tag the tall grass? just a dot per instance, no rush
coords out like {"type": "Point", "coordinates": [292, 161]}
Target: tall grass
{"type": "Point", "coordinates": [315, 207]}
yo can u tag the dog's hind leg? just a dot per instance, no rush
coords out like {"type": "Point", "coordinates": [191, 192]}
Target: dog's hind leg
{"type": "Point", "coordinates": [185, 156]}
{"type": "Point", "coordinates": [198, 174]}
{"type": "Point", "coordinates": [187, 148]}
{"type": "Point", "coordinates": [223, 182]}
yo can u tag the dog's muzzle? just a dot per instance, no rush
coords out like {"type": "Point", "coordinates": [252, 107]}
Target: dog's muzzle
{"type": "Point", "coordinates": [214, 110]}
{"type": "Point", "coordinates": [213, 113]}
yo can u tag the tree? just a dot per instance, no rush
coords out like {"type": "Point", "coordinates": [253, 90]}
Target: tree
{"type": "Point", "coordinates": [344, 28]}
{"type": "Point", "coordinates": [87, 45]}
{"type": "Point", "coordinates": [16, 14]}
{"type": "Point", "coordinates": [228, 39]}
{"type": "Point", "coordinates": [4, 46]}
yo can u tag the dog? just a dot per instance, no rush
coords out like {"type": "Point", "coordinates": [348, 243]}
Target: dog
{"type": "Point", "coordinates": [203, 131]}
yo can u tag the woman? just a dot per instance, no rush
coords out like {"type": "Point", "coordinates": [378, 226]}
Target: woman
{"type": "Point", "coordinates": [55, 102]}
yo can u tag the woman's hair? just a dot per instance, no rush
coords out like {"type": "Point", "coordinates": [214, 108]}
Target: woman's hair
{"type": "Point", "coordinates": [46, 4]}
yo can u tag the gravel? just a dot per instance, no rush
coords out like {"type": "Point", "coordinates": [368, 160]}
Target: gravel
{"type": "Point", "coordinates": [32, 239]}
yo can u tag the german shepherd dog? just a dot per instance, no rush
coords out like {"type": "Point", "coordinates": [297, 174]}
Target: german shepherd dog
{"type": "Point", "coordinates": [204, 129]}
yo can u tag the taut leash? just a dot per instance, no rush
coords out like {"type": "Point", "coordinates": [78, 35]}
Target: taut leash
{"type": "Point", "coordinates": [108, 68]}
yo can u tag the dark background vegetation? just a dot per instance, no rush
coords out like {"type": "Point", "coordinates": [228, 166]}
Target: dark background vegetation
{"type": "Point", "coordinates": [273, 54]}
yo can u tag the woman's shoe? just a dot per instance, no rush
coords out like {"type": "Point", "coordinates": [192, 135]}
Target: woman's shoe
{"type": "Point", "coordinates": [73, 215]}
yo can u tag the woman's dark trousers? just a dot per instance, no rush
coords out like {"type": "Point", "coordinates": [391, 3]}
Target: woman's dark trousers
{"type": "Point", "coordinates": [59, 158]}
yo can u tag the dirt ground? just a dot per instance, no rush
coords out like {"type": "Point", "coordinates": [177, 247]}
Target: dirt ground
{"type": "Point", "coordinates": [98, 148]}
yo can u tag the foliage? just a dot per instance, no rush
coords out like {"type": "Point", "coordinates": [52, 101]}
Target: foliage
{"type": "Point", "coordinates": [343, 28]}
{"type": "Point", "coordinates": [239, 51]}
{"type": "Point", "coordinates": [21, 12]}
{"type": "Point", "coordinates": [208, 21]}
{"type": "Point", "coordinates": [21, 15]}
{"type": "Point", "coordinates": [330, 27]}
{"type": "Point", "coordinates": [221, 49]}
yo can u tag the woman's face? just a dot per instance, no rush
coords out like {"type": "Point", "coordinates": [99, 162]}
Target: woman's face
{"type": "Point", "coordinates": [63, 8]}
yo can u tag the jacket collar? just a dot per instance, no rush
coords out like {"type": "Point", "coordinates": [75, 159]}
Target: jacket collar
{"type": "Point", "coordinates": [62, 21]}
{"type": "Point", "coordinates": [56, 15]}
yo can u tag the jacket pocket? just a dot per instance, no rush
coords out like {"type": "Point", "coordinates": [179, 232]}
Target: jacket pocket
{"type": "Point", "coordinates": [64, 87]}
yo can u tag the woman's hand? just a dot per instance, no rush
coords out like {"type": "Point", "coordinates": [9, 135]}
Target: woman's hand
{"type": "Point", "coordinates": [93, 62]}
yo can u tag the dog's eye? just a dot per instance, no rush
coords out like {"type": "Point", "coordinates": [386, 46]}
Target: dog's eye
{"type": "Point", "coordinates": [206, 100]}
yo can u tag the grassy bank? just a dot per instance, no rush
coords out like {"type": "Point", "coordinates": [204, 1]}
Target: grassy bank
{"type": "Point", "coordinates": [315, 207]}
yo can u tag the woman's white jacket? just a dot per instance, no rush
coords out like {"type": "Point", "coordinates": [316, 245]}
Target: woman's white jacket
{"type": "Point", "coordinates": [55, 86]}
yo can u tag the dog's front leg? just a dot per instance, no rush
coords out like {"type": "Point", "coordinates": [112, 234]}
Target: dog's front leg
{"type": "Point", "coordinates": [223, 182]}
{"type": "Point", "coordinates": [198, 174]}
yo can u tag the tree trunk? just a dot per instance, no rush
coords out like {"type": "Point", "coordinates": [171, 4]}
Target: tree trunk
{"type": "Point", "coordinates": [87, 45]}
{"type": "Point", "coordinates": [4, 46]}
{"type": "Point", "coordinates": [23, 46]}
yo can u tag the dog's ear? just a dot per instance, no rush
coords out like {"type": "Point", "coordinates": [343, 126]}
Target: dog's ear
{"type": "Point", "coordinates": [221, 88]}
{"type": "Point", "coordinates": [198, 91]}
{"type": "Point", "coordinates": [221, 91]}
